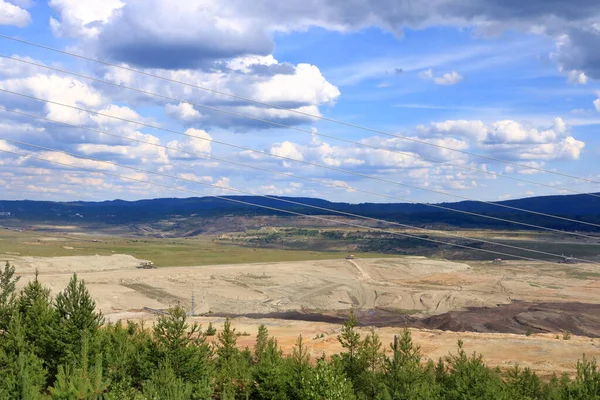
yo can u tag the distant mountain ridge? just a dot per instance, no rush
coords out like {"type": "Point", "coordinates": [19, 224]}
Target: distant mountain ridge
{"type": "Point", "coordinates": [579, 207]}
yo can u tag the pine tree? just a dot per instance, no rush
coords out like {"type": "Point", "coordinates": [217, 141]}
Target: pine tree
{"type": "Point", "coordinates": [227, 342]}
{"type": "Point", "coordinates": [119, 354]}
{"type": "Point", "coordinates": [372, 357]}
{"type": "Point", "coordinates": [234, 375]}
{"type": "Point", "coordinates": [260, 345]}
{"type": "Point", "coordinates": [524, 384]}
{"type": "Point", "coordinates": [82, 381]}
{"type": "Point", "coordinates": [350, 340]}
{"type": "Point", "coordinates": [587, 381]}
{"type": "Point", "coordinates": [22, 375]}
{"type": "Point", "coordinates": [405, 378]}
{"type": "Point", "coordinates": [329, 383]}
{"type": "Point", "coordinates": [184, 349]}
{"type": "Point", "coordinates": [269, 374]}
{"type": "Point", "coordinates": [8, 288]}
{"type": "Point", "coordinates": [300, 372]}
{"type": "Point", "coordinates": [468, 377]}
{"type": "Point", "coordinates": [76, 313]}
{"type": "Point", "coordinates": [39, 322]}
{"type": "Point", "coordinates": [165, 385]}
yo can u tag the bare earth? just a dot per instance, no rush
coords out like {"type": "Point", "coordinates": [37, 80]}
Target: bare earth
{"type": "Point", "coordinates": [424, 288]}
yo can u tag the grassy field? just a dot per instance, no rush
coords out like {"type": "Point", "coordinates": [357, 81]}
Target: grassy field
{"type": "Point", "coordinates": [163, 252]}
{"type": "Point", "coordinates": [288, 244]}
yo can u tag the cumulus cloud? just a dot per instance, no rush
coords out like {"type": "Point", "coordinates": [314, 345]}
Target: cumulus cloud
{"type": "Point", "coordinates": [12, 14]}
{"type": "Point", "coordinates": [577, 46]}
{"type": "Point", "coordinates": [60, 89]}
{"type": "Point", "coordinates": [449, 78]}
{"type": "Point", "coordinates": [577, 77]}
{"type": "Point", "coordinates": [190, 36]}
{"type": "Point", "coordinates": [301, 88]}
{"type": "Point", "coordinates": [198, 142]}
{"type": "Point", "coordinates": [183, 111]}
{"type": "Point", "coordinates": [511, 139]}
{"type": "Point", "coordinates": [597, 104]}
{"type": "Point", "coordinates": [82, 18]}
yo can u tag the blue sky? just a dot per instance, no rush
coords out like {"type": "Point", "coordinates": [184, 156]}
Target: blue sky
{"type": "Point", "coordinates": [512, 81]}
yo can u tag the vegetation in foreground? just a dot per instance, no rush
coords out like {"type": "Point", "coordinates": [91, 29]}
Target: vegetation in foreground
{"type": "Point", "coordinates": [61, 349]}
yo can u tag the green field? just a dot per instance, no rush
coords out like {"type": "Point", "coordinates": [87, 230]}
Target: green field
{"type": "Point", "coordinates": [163, 252]}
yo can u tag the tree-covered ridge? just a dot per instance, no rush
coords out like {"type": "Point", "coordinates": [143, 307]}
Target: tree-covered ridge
{"type": "Point", "coordinates": [578, 207]}
{"type": "Point", "coordinates": [62, 349]}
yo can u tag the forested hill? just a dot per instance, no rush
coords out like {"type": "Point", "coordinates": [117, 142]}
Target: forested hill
{"type": "Point", "coordinates": [579, 207]}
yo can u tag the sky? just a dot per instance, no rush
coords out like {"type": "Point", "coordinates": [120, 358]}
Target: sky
{"type": "Point", "coordinates": [508, 80]}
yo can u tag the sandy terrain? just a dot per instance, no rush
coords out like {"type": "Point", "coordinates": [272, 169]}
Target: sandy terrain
{"type": "Point", "coordinates": [407, 284]}
{"type": "Point", "coordinates": [417, 286]}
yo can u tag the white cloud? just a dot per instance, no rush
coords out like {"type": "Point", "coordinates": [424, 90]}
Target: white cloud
{"type": "Point", "coordinates": [471, 129]}
{"type": "Point", "coordinates": [222, 185]}
{"type": "Point", "coordinates": [287, 149]}
{"type": "Point", "coordinates": [509, 139]}
{"type": "Point", "coordinates": [307, 86]}
{"type": "Point", "coordinates": [577, 77]}
{"type": "Point", "coordinates": [449, 78]}
{"type": "Point", "coordinates": [300, 88]}
{"type": "Point", "coordinates": [597, 104]}
{"type": "Point", "coordinates": [194, 36]}
{"type": "Point", "coordinates": [198, 142]}
{"type": "Point", "coordinates": [11, 14]}
{"type": "Point", "coordinates": [193, 177]}
{"type": "Point", "coordinates": [60, 89]}
{"type": "Point", "coordinates": [82, 18]}
{"type": "Point", "coordinates": [4, 145]}
{"type": "Point", "coordinates": [66, 159]}
{"type": "Point", "coordinates": [183, 111]}
{"type": "Point", "coordinates": [122, 112]}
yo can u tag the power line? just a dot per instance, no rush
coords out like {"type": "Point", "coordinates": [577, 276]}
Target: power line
{"type": "Point", "coordinates": [275, 198]}
{"type": "Point", "coordinates": [337, 170]}
{"type": "Point", "coordinates": [269, 207]}
{"type": "Point", "coordinates": [332, 184]}
{"type": "Point", "coordinates": [357, 143]}
{"type": "Point", "coordinates": [319, 117]}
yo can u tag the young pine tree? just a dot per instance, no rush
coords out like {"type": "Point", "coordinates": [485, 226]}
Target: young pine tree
{"type": "Point", "coordinates": [22, 375]}
{"type": "Point", "coordinates": [164, 384]}
{"type": "Point", "coordinates": [372, 357]}
{"type": "Point", "coordinates": [587, 381]}
{"type": "Point", "coordinates": [234, 375]}
{"type": "Point", "coordinates": [227, 342]}
{"type": "Point", "coordinates": [260, 345]}
{"type": "Point", "coordinates": [80, 380]}
{"type": "Point", "coordinates": [404, 376]}
{"type": "Point", "coordinates": [76, 313]}
{"type": "Point", "coordinates": [8, 288]}
{"type": "Point", "coordinates": [184, 349]}
{"type": "Point", "coordinates": [470, 378]}
{"type": "Point", "coordinates": [524, 384]}
{"type": "Point", "coordinates": [40, 323]}
{"type": "Point", "coordinates": [269, 373]}
{"type": "Point", "coordinates": [350, 340]}
{"type": "Point", "coordinates": [300, 372]}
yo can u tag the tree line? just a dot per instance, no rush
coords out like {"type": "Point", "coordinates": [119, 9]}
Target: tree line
{"type": "Point", "coordinates": [61, 348]}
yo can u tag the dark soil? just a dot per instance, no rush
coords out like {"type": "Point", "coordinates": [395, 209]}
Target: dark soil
{"type": "Point", "coordinates": [519, 317]}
